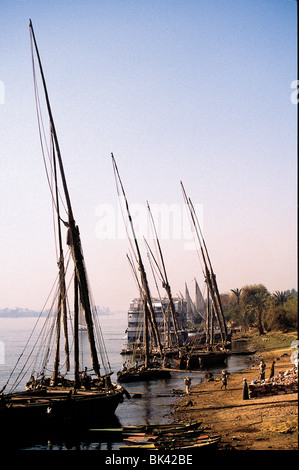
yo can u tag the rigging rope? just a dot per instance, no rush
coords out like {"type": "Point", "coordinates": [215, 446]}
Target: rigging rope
{"type": "Point", "coordinates": [122, 211]}
{"type": "Point", "coordinates": [160, 298]}
{"type": "Point", "coordinates": [158, 259]}
{"type": "Point", "coordinates": [44, 334]}
{"type": "Point", "coordinates": [193, 230]}
{"type": "Point", "coordinates": [26, 345]}
{"type": "Point", "coordinates": [137, 342]}
{"type": "Point", "coordinates": [41, 129]}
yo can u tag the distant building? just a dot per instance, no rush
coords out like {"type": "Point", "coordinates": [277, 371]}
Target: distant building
{"type": "Point", "coordinates": [136, 318]}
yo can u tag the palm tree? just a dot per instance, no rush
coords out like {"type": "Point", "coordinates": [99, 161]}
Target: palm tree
{"type": "Point", "coordinates": [258, 302]}
{"type": "Point", "coordinates": [237, 293]}
{"type": "Point", "coordinates": [280, 297]}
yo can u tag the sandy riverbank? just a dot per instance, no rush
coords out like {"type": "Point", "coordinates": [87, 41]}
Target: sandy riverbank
{"type": "Point", "coordinates": [267, 423]}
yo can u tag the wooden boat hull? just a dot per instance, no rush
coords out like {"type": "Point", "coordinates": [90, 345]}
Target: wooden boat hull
{"type": "Point", "coordinates": [211, 358]}
{"type": "Point", "coordinates": [161, 428]}
{"type": "Point", "coordinates": [145, 430]}
{"type": "Point", "coordinates": [166, 438]}
{"type": "Point", "coordinates": [202, 359]}
{"type": "Point", "coordinates": [46, 409]}
{"type": "Point", "coordinates": [207, 444]}
{"type": "Point", "coordinates": [143, 375]}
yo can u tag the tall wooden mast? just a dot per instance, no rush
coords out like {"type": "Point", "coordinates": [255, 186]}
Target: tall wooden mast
{"type": "Point", "coordinates": [165, 281]}
{"type": "Point", "coordinates": [61, 310]}
{"type": "Point", "coordinates": [210, 277]}
{"type": "Point", "coordinates": [146, 316]}
{"type": "Point", "coordinates": [74, 240]}
{"type": "Point", "coordinates": [144, 282]}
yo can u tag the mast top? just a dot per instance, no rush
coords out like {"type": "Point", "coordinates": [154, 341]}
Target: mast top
{"type": "Point", "coordinates": [53, 130]}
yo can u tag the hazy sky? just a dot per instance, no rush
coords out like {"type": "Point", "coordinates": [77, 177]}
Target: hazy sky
{"type": "Point", "coordinates": [191, 90]}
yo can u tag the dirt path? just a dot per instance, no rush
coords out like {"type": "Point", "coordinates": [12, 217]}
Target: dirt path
{"type": "Point", "coordinates": [267, 423]}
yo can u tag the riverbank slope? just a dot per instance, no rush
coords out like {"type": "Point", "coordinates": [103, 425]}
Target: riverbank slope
{"type": "Point", "coordinates": [266, 423]}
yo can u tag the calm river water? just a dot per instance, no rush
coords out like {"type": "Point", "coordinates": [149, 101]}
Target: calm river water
{"type": "Point", "coordinates": [149, 409]}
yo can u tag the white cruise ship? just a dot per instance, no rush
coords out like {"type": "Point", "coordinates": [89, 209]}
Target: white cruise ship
{"type": "Point", "coordinates": [164, 321]}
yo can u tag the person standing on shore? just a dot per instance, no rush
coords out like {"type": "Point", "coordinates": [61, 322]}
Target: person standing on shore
{"type": "Point", "coordinates": [224, 379]}
{"type": "Point", "coordinates": [245, 389]}
{"type": "Point", "coordinates": [272, 370]}
{"type": "Point", "coordinates": [262, 368]}
{"type": "Point", "coordinates": [187, 381]}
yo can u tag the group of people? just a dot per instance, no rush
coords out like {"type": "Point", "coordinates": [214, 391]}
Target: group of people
{"type": "Point", "coordinates": [225, 374]}
{"type": "Point", "coordinates": [262, 373]}
{"type": "Point", "coordinates": [262, 370]}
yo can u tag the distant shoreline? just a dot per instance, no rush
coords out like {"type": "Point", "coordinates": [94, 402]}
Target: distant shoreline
{"type": "Point", "coordinates": [26, 313]}
{"type": "Point", "coordinates": [16, 313]}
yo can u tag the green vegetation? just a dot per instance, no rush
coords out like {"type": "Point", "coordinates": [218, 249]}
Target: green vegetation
{"type": "Point", "coordinates": [254, 306]}
{"type": "Point", "coordinates": [268, 341]}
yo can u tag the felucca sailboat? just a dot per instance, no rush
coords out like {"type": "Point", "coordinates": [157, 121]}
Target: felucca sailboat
{"type": "Point", "coordinates": [212, 353]}
{"type": "Point", "coordinates": [69, 389]}
{"type": "Point", "coordinates": [149, 368]}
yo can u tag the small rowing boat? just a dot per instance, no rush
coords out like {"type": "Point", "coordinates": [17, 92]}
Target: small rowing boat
{"type": "Point", "coordinates": [148, 428]}
{"type": "Point", "coordinates": [167, 437]}
{"type": "Point", "coordinates": [161, 428]}
{"type": "Point", "coordinates": [205, 444]}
